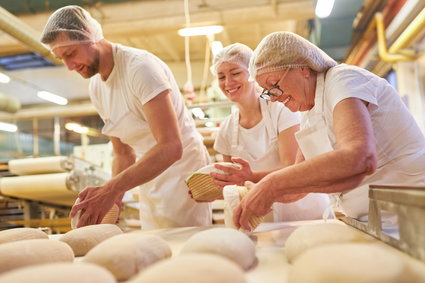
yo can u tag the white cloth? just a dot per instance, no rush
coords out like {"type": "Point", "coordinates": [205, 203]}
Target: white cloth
{"type": "Point", "coordinates": [259, 146]}
{"type": "Point", "coordinates": [137, 77]}
{"type": "Point", "coordinates": [399, 142]}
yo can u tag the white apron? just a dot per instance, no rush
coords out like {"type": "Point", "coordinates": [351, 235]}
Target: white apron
{"type": "Point", "coordinates": [164, 201]}
{"type": "Point", "coordinates": [311, 206]}
{"type": "Point", "coordinates": [313, 140]}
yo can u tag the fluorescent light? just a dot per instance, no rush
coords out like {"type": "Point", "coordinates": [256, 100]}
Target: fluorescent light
{"type": "Point", "coordinates": [206, 30]}
{"type": "Point", "coordinates": [8, 127]}
{"type": "Point", "coordinates": [75, 127]}
{"type": "Point", "coordinates": [324, 8]}
{"type": "Point", "coordinates": [4, 78]}
{"type": "Point", "coordinates": [52, 97]}
{"type": "Point", "coordinates": [216, 46]}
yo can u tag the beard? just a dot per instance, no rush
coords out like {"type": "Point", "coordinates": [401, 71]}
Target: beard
{"type": "Point", "coordinates": [91, 69]}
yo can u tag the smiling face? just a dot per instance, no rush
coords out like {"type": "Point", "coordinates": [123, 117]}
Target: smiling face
{"type": "Point", "coordinates": [298, 86]}
{"type": "Point", "coordinates": [233, 81]}
{"type": "Point", "coordinates": [81, 57]}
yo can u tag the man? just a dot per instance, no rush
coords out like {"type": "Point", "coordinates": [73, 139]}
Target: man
{"type": "Point", "coordinates": [153, 135]}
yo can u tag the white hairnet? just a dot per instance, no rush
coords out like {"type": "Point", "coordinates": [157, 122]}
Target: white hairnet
{"type": "Point", "coordinates": [281, 50]}
{"type": "Point", "coordinates": [76, 23]}
{"type": "Point", "coordinates": [236, 53]}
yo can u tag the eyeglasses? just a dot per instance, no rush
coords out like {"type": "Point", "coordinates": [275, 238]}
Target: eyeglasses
{"type": "Point", "coordinates": [275, 90]}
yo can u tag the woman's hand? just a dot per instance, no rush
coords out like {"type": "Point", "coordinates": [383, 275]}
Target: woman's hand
{"type": "Point", "coordinates": [257, 202]}
{"type": "Point", "coordinates": [233, 176]}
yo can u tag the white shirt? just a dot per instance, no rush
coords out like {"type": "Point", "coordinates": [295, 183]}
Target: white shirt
{"type": "Point", "coordinates": [138, 76]}
{"type": "Point", "coordinates": [396, 133]}
{"type": "Point", "coordinates": [256, 140]}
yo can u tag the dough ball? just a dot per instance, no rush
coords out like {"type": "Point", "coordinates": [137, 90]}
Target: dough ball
{"type": "Point", "coordinates": [347, 263]}
{"type": "Point", "coordinates": [227, 242]}
{"type": "Point", "coordinates": [125, 255]}
{"type": "Point", "coordinates": [30, 252]}
{"type": "Point", "coordinates": [110, 218]}
{"type": "Point", "coordinates": [194, 268]}
{"type": "Point", "coordinates": [83, 239]}
{"type": "Point", "coordinates": [60, 272]}
{"type": "Point", "coordinates": [309, 236]}
{"type": "Point", "coordinates": [19, 234]}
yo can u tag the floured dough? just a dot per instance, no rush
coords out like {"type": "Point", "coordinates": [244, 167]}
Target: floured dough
{"type": "Point", "coordinates": [19, 234]}
{"type": "Point", "coordinates": [347, 263]}
{"type": "Point", "coordinates": [309, 236]}
{"type": "Point", "coordinates": [194, 268]}
{"type": "Point", "coordinates": [30, 252]}
{"type": "Point", "coordinates": [81, 240]}
{"type": "Point", "coordinates": [227, 242]}
{"type": "Point", "coordinates": [125, 255]}
{"type": "Point", "coordinates": [59, 272]}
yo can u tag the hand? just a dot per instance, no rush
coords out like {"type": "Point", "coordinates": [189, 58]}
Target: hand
{"type": "Point", "coordinates": [94, 203]}
{"type": "Point", "coordinates": [257, 202]}
{"type": "Point", "coordinates": [234, 175]}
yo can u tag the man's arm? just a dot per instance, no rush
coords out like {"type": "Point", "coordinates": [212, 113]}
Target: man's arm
{"type": "Point", "coordinates": [162, 121]}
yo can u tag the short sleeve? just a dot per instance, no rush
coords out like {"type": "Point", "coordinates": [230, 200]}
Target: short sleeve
{"type": "Point", "coordinates": [348, 81]}
{"type": "Point", "coordinates": [149, 77]}
{"type": "Point", "coordinates": [223, 141]}
{"type": "Point", "coordinates": [282, 117]}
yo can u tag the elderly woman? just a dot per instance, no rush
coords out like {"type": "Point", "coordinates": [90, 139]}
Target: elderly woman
{"type": "Point", "coordinates": [355, 129]}
{"type": "Point", "coordinates": [259, 135]}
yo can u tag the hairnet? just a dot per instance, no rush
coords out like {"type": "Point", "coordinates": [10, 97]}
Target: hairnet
{"type": "Point", "coordinates": [281, 50]}
{"type": "Point", "coordinates": [236, 53]}
{"type": "Point", "coordinates": [76, 23]}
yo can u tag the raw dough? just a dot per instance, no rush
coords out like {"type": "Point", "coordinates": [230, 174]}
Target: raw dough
{"type": "Point", "coordinates": [348, 263]}
{"type": "Point", "coordinates": [309, 236]}
{"type": "Point", "coordinates": [59, 272]}
{"type": "Point", "coordinates": [30, 252]}
{"type": "Point", "coordinates": [125, 255]}
{"type": "Point", "coordinates": [110, 218]}
{"type": "Point", "coordinates": [194, 268]}
{"type": "Point", "coordinates": [227, 242]}
{"type": "Point", "coordinates": [19, 234]}
{"type": "Point", "coordinates": [81, 240]}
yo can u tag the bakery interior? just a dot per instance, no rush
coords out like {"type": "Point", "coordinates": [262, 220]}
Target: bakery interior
{"type": "Point", "coordinates": [50, 150]}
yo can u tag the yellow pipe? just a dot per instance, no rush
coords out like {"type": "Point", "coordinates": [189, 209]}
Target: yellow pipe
{"type": "Point", "coordinates": [382, 44]}
{"type": "Point", "coordinates": [408, 35]}
{"type": "Point", "coordinates": [26, 35]}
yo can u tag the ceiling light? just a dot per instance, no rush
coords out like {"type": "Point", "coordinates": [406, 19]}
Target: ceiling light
{"type": "Point", "coordinates": [52, 97]}
{"type": "Point", "coordinates": [8, 127]}
{"type": "Point", "coordinates": [324, 8]}
{"type": "Point", "coordinates": [4, 78]}
{"type": "Point", "coordinates": [206, 30]}
{"type": "Point", "coordinates": [216, 47]}
{"type": "Point", "coordinates": [76, 128]}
